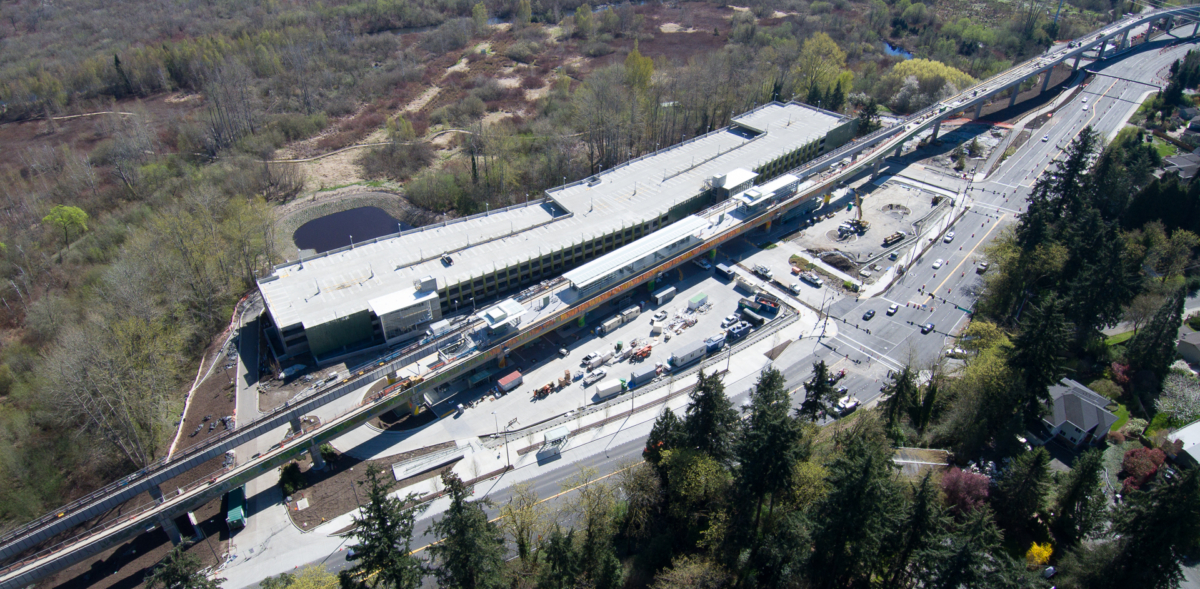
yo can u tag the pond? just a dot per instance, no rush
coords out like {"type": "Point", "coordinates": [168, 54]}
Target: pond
{"type": "Point", "coordinates": [894, 51]}
{"type": "Point", "coordinates": [336, 230]}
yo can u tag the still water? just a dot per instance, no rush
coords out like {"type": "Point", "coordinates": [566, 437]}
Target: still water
{"type": "Point", "coordinates": [894, 51]}
{"type": "Point", "coordinates": [336, 230]}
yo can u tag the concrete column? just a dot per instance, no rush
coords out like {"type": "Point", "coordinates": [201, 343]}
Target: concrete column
{"type": "Point", "coordinates": [315, 452]}
{"type": "Point", "coordinates": [297, 425]}
{"type": "Point", "coordinates": [1046, 80]}
{"type": "Point", "coordinates": [1076, 66]}
{"type": "Point", "coordinates": [936, 127]}
{"type": "Point", "coordinates": [172, 530]}
{"type": "Point", "coordinates": [1016, 90]}
{"type": "Point", "coordinates": [899, 149]}
{"type": "Point", "coordinates": [1103, 45]}
{"type": "Point", "coordinates": [1195, 29]}
{"type": "Point", "coordinates": [155, 493]}
{"type": "Point", "coordinates": [979, 110]}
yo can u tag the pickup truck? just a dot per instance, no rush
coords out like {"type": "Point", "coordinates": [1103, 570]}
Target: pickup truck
{"type": "Point", "coordinates": [763, 271]}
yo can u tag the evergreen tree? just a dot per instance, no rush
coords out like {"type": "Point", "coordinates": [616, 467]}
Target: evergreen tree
{"type": "Point", "coordinates": [781, 556]}
{"type": "Point", "coordinates": [901, 395]}
{"type": "Point", "coordinates": [384, 536]}
{"type": "Point", "coordinates": [1079, 507]}
{"type": "Point", "coordinates": [1153, 348]}
{"type": "Point", "coordinates": [471, 552]}
{"type": "Point", "coordinates": [924, 526]}
{"type": "Point", "coordinates": [668, 433]}
{"type": "Point", "coordinates": [180, 570]}
{"type": "Point", "coordinates": [818, 394]}
{"type": "Point", "coordinates": [1152, 533]}
{"type": "Point", "coordinates": [769, 445]}
{"type": "Point", "coordinates": [924, 414]}
{"type": "Point", "coordinates": [861, 511]}
{"type": "Point", "coordinates": [1038, 351]}
{"type": "Point", "coordinates": [970, 557]}
{"type": "Point", "coordinates": [1024, 488]}
{"type": "Point", "coordinates": [711, 418]}
{"type": "Point", "coordinates": [561, 567]}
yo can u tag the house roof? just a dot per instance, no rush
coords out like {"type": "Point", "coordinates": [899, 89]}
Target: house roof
{"type": "Point", "coordinates": [1188, 113]}
{"type": "Point", "coordinates": [1080, 406]}
{"type": "Point", "coordinates": [1190, 436]}
{"type": "Point", "coordinates": [1191, 337]}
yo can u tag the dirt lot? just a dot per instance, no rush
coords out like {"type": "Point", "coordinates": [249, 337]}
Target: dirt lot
{"type": "Point", "coordinates": [889, 208]}
{"type": "Point", "coordinates": [336, 491]}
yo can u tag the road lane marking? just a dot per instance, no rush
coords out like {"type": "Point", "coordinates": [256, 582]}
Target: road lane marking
{"type": "Point", "coordinates": [964, 260]}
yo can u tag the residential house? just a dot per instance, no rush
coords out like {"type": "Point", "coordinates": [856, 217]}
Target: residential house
{"type": "Point", "coordinates": [1079, 418]}
{"type": "Point", "coordinates": [1188, 439]}
{"type": "Point", "coordinates": [1188, 345]}
{"type": "Point", "coordinates": [1186, 165]}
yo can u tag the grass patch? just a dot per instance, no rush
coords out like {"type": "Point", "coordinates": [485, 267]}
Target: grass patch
{"type": "Point", "coordinates": [1164, 149]}
{"type": "Point", "coordinates": [768, 245]}
{"type": "Point", "coordinates": [1119, 339]}
{"type": "Point", "coordinates": [1122, 417]}
{"type": "Point", "coordinates": [1007, 154]}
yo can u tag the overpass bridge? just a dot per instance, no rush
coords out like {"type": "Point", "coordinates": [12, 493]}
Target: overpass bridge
{"type": "Point", "coordinates": [23, 550]}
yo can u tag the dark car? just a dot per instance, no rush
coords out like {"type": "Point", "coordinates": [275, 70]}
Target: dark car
{"type": "Point", "coordinates": [447, 260]}
{"type": "Point", "coordinates": [928, 327]}
{"type": "Point", "coordinates": [868, 315]}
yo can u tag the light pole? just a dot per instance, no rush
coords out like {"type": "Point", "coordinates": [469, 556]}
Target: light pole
{"type": "Point", "coordinates": [497, 418]}
{"type": "Point", "coordinates": [507, 456]}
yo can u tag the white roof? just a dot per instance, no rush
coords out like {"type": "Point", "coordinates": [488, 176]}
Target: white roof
{"type": "Point", "coordinates": [738, 176]}
{"type": "Point", "coordinates": [778, 183]}
{"type": "Point", "coordinates": [399, 300]}
{"type": "Point", "coordinates": [505, 310]}
{"type": "Point", "coordinates": [1190, 436]}
{"type": "Point", "coordinates": [344, 281]}
{"type": "Point", "coordinates": [604, 265]}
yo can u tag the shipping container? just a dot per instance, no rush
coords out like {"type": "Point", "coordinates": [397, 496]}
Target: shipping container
{"type": "Point", "coordinates": [697, 301]}
{"type": "Point", "coordinates": [512, 381]}
{"type": "Point", "coordinates": [235, 512]}
{"type": "Point", "coordinates": [688, 354]}
{"type": "Point", "coordinates": [642, 375]}
{"type": "Point", "coordinates": [725, 271]}
{"type": "Point", "coordinates": [610, 325]}
{"type": "Point", "coordinates": [609, 388]}
{"type": "Point", "coordinates": [664, 295]}
{"type": "Point", "coordinates": [439, 328]}
{"type": "Point", "coordinates": [630, 314]}
{"type": "Point", "coordinates": [746, 285]}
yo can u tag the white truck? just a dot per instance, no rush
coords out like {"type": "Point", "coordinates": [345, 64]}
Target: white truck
{"type": "Point", "coordinates": [600, 359]}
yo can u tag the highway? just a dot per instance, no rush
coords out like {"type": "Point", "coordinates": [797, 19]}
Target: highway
{"type": "Point", "coordinates": [989, 209]}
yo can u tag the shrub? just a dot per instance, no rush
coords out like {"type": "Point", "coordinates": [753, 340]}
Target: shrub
{"type": "Point", "coordinates": [1139, 465]}
{"type": "Point", "coordinates": [1116, 437]}
{"type": "Point", "coordinates": [291, 479]}
{"type": "Point", "coordinates": [1038, 555]}
{"type": "Point", "coordinates": [597, 49]}
{"type": "Point", "coordinates": [295, 126]}
{"type": "Point", "coordinates": [523, 51]}
{"type": "Point", "coordinates": [1193, 320]}
{"type": "Point", "coordinates": [328, 453]}
{"type": "Point", "coordinates": [965, 491]}
{"type": "Point", "coordinates": [1107, 388]}
{"type": "Point", "coordinates": [396, 162]}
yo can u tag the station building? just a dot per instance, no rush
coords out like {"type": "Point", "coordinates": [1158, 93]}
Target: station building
{"type": "Point", "coordinates": [385, 292]}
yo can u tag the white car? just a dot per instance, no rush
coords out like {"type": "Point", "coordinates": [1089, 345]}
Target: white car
{"type": "Point", "coordinates": [595, 376]}
{"type": "Point", "coordinates": [938, 263]}
{"type": "Point", "coordinates": [730, 320]}
{"type": "Point", "coordinates": [949, 237]}
{"type": "Point", "coordinates": [659, 316]}
{"type": "Point", "coordinates": [1085, 99]}
{"type": "Point", "coordinates": [1045, 138]}
{"type": "Point", "coordinates": [1085, 108]}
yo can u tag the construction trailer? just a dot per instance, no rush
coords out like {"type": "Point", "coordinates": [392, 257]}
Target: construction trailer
{"type": "Point", "coordinates": [688, 355]}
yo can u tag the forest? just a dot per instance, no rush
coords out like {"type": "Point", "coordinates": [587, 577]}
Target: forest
{"type": "Point", "coordinates": [764, 498]}
{"type": "Point", "coordinates": [141, 203]}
